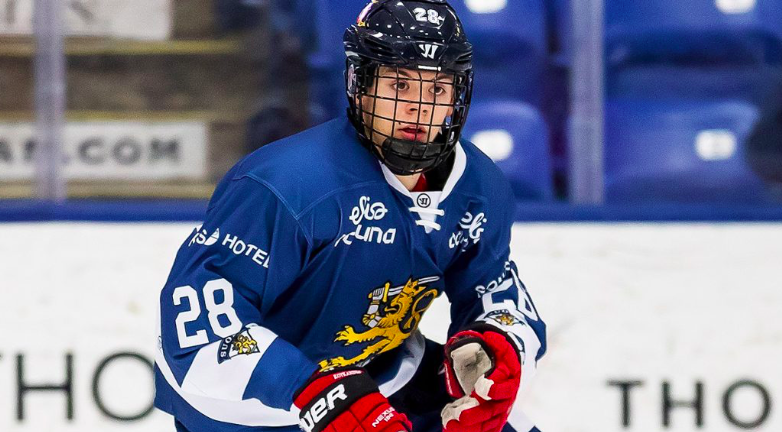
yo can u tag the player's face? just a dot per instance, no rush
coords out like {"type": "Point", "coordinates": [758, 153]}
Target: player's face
{"type": "Point", "coordinates": [407, 104]}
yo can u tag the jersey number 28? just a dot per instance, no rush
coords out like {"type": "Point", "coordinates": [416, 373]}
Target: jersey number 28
{"type": "Point", "coordinates": [215, 310]}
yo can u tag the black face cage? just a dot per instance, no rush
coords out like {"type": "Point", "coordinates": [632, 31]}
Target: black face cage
{"type": "Point", "coordinates": [408, 156]}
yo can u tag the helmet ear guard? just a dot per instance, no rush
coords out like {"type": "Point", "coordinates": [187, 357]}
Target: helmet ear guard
{"type": "Point", "coordinates": [382, 40]}
{"type": "Point", "coordinates": [359, 78]}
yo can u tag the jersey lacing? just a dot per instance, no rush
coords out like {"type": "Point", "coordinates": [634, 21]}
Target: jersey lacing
{"type": "Point", "coordinates": [427, 223]}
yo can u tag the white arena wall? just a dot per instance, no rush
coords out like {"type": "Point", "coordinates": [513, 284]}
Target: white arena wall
{"type": "Point", "coordinates": [646, 323]}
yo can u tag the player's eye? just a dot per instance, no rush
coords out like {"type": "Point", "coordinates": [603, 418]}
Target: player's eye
{"type": "Point", "coordinates": [401, 85]}
{"type": "Point", "coordinates": [441, 89]}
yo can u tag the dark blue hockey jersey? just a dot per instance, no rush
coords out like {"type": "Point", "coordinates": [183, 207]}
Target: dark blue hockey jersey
{"type": "Point", "coordinates": [313, 255]}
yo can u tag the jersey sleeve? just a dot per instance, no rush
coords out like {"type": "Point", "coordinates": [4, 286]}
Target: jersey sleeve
{"type": "Point", "coordinates": [214, 351]}
{"type": "Point", "coordinates": [484, 288]}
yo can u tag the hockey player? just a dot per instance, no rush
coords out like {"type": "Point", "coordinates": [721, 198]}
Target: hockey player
{"type": "Point", "coordinates": [297, 302]}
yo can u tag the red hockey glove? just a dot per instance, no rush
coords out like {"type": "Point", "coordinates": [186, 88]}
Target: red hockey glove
{"type": "Point", "coordinates": [483, 374]}
{"type": "Point", "coordinates": [346, 401]}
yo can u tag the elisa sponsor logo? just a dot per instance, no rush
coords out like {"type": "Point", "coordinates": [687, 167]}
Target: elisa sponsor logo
{"type": "Point", "coordinates": [367, 211]}
{"type": "Point", "coordinates": [471, 229]}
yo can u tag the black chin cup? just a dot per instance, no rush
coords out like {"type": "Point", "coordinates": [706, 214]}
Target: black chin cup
{"type": "Point", "coordinates": [404, 157]}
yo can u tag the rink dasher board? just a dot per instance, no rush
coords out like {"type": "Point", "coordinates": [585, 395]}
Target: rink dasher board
{"type": "Point", "coordinates": [682, 306]}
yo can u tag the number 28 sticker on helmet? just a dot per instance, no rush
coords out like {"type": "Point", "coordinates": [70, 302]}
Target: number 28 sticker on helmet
{"type": "Point", "coordinates": [409, 82]}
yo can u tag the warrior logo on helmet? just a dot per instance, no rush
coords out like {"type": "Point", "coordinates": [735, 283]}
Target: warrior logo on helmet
{"type": "Point", "coordinates": [428, 50]}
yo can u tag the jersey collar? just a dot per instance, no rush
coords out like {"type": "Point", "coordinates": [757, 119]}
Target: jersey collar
{"type": "Point", "coordinates": [459, 165]}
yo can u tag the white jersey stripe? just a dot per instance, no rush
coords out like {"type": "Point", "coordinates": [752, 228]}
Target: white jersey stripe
{"type": "Point", "coordinates": [415, 345]}
{"type": "Point", "coordinates": [227, 380]}
{"type": "Point", "coordinates": [248, 412]}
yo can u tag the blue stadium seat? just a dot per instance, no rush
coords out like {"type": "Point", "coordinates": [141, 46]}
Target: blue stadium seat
{"type": "Point", "coordinates": [515, 136]}
{"type": "Point", "coordinates": [693, 32]}
{"type": "Point", "coordinates": [332, 17]}
{"type": "Point", "coordinates": [510, 46]}
{"type": "Point", "coordinates": [680, 151]}
{"type": "Point", "coordinates": [695, 49]}
{"type": "Point", "coordinates": [754, 84]}
{"type": "Point", "coordinates": [327, 58]}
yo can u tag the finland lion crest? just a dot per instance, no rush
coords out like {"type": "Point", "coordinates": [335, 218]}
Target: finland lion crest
{"type": "Point", "coordinates": [241, 343]}
{"type": "Point", "coordinates": [393, 314]}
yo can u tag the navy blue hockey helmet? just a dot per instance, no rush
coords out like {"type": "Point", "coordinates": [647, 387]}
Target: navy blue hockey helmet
{"type": "Point", "coordinates": [418, 45]}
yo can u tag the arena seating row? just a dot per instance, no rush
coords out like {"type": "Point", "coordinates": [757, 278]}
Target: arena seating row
{"type": "Point", "coordinates": [685, 82]}
{"type": "Point", "coordinates": [685, 85]}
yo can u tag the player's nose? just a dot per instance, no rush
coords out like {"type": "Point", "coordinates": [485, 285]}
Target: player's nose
{"type": "Point", "coordinates": [415, 107]}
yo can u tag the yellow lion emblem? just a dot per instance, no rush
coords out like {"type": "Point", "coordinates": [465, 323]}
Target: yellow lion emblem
{"type": "Point", "coordinates": [392, 315]}
{"type": "Point", "coordinates": [245, 345]}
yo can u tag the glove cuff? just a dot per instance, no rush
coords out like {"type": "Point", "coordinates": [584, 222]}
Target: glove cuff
{"type": "Point", "coordinates": [327, 395]}
{"type": "Point", "coordinates": [482, 327]}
